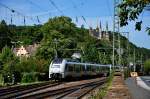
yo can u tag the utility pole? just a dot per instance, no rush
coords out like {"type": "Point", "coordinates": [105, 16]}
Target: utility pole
{"type": "Point", "coordinates": [141, 63]}
{"type": "Point", "coordinates": [134, 60]}
{"type": "Point", "coordinates": [56, 42]}
{"type": "Point", "coordinates": [128, 47]}
{"type": "Point", "coordinates": [116, 26]}
{"type": "Point", "coordinates": [119, 47]}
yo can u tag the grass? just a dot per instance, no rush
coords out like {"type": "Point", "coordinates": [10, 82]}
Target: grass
{"type": "Point", "coordinates": [21, 84]}
{"type": "Point", "coordinates": [103, 91]}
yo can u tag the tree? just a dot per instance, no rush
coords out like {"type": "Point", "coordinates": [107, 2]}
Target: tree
{"type": "Point", "coordinates": [59, 34]}
{"type": "Point", "coordinates": [8, 61]}
{"type": "Point", "coordinates": [147, 66]}
{"type": "Point", "coordinates": [130, 10]}
{"type": "Point", "coordinates": [4, 34]}
{"type": "Point", "coordinates": [6, 55]}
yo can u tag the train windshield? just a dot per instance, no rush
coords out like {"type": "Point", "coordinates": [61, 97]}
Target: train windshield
{"type": "Point", "coordinates": [57, 61]}
{"type": "Point", "coordinates": [55, 66]}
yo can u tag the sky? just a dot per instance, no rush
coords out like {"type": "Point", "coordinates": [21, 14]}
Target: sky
{"type": "Point", "coordinates": [93, 11]}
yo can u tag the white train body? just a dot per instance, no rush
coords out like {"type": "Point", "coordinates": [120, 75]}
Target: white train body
{"type": "Point", "coordinates": [62, 68]}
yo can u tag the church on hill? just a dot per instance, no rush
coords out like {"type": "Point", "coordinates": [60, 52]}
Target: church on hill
{"type": "Point", "coordinates": [99, 33]}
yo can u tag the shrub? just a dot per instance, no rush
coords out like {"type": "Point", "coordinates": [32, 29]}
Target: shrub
{"type": "Point", "coordinates": [29, 77]}
{"type": "Point", "coordinates": [1, 79]}
{"type": "Point", "coordinates": [147, 67]}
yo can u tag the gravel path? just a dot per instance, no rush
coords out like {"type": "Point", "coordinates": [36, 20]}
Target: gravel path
{"type": "Point", "coordinates": [136, 91]}
{"type": "Point", "coordinates": [118, 90]}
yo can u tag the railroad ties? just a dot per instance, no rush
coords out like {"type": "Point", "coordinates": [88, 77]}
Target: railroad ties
{"type": "Point", "coordinates": [13, 92]}
{"type": "Point", "coordinates": [66, 90]}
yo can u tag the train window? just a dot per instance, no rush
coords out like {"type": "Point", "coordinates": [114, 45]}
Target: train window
{"type": "Point", "coordinates": [66, 67]}
{"type": "Point", "coordinates": [88, 67]}
{"type": "Point", "coordinates": [77, 68]}
{"type": "Point", "coordinates": [55, 66]}
{"type": "Point", "coordinates": [92, 68]}
{"type": "Point", "coordinates": [97, 69]}
{"type": "Point", "coordinates": [69, 67]}
{"type": "Point", "coordinates": [82, 67]}
{"type": "Point", "coordinates": [57, 61]}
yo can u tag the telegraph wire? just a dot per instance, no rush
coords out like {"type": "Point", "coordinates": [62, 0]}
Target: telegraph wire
{"type": "Point", "coordinates": [38, 19]}
{"type": "Point", "coordinates": [37, 6]}
{"type": "Point", "coordinates": [75, 7]}
{"type": "Point", "coordinates": [11, 20]}
{"type": "Point", "coordinates": [36, 16]}
{"type": "Point", "coordinates": [53, 3]}
{"type": "Point", "coordinates": [15, 11]}
{"type": "Point", "coordinates": [7, 7]}
{"type": "Point", "coordinates": [12, 10]}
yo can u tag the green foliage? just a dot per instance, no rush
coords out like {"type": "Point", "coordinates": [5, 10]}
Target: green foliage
{"type": "Point", "coordinates": [148, 30]}
{"type": "Point", "coordinates": [8, 62]}
{"type": "Point", "coordinates": [104, 89]}
{"type": "Point", "coordinates": [42, 66]}
{"type": "Point", "coordinates": [6, 55]}
{"type": "Point", "coordinates": [126, 73]}
{"type": "Point", "coordinates": [59, 36]}
{"type": "Point", "coordinates": [29, 77]}
{"type": "Point", "coordinates": [1, 79]}
{"type": "Point", "coordinates": [130, 10]}
{"type": "Point", "coordinates": [7, 59]}
{"type": "Point", "coordinates": [147, 66]}
{"type": "Point", "coordinates": [26, 65]}
{"type": "Point", "coordinates": [26, 34]}
{"type": "Point", "coordinates": [5, 35]}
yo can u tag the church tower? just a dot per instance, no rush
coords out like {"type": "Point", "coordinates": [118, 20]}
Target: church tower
{"type": "Point", "coordinates": [107, 32]}
{"type": "Point", "coordinates": [90, 29]}
{"type": "Point", "coordinates": [100, 31]}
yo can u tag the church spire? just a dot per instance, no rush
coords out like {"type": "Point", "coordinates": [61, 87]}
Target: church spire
{"type": "Point", "coordinates": [107, 26]}
{"type": "Point", "coordinates": [106, 33]}
{"type": "Point", "coordinates": [90, 29]}
{"type": "Point", "coordinates": [97, 24]}
{"type": "Point", "coordinates": [100, 26]}
{"type": "Point", "coordinates": [100, 30]}
{"type": "Point", "coordinates": [97, 27]}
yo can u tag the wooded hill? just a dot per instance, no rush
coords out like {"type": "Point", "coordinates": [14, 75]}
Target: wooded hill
{"type": "Point", "coordinates": [59, 35]}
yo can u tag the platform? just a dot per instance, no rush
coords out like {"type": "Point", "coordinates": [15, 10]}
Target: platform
{"type": "Point", "coordinates": [118, 89]}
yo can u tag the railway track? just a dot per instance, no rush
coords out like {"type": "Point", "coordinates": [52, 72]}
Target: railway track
{"type": "Point", "coordinates": [13, 92]}
{"type": "Point", "coordinates": [78, 93]}
{"type": "Point", "coordinates": [74, 90]}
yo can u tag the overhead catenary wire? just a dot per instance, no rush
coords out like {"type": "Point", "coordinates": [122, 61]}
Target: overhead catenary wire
{"type": "Point", "coordinates": [15, 11]}
{"type": "Point", "coordinates": [35, 18]}
{"type": "Point", "coordinates": [53, 3]}
{"type": "Point", "coordinates": [38, 7]}
{"type": "Point", "coordinates": [53, 11]}
{"type": "Point", "coordinates": [34, 4]}
{"type": "Point", "coordinates": [75, 7]}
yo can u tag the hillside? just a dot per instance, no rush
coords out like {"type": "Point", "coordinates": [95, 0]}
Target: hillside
{"type": "Point", "coordinates": [59, 37]}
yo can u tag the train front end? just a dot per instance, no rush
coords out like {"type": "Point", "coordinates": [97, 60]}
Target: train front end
{"type": "Point", "coordinates": [56, 69]}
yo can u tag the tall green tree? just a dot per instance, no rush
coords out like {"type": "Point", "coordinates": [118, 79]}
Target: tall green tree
{"type": "Point", "coordinates": [8, 61]}
{"type": "Point", "coordinates": [5, 36]}
{"type": "Point", "coordinates": [59, 34]}
{"type": "Point", "coordinates": [147, 66]}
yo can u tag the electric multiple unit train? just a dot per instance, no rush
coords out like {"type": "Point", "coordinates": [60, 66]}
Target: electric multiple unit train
{"type": "Point", "coordinates": [62, 68]}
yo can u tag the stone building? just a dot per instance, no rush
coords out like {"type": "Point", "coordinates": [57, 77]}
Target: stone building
{"type": "Point", "coordinates": [99, 33]}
